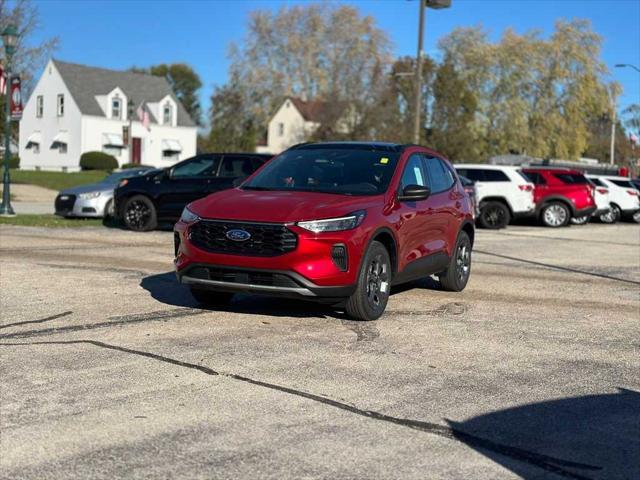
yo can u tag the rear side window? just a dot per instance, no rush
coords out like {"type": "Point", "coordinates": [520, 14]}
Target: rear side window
{"type": "Point", "coordinates": [471, 173]}
{"type": "Point", "coordinates": [495, 176]}
{"type": "Point", "coordinates": [536, 178]}
{"type": "Point", "coordinates": [197, 167]}
{"type": "Point", "coordinates": [440, 177]}
{"type": "Point", "coordinates": [571, 178]}
{"type": "Point", "coordinates": [597, 182]}
{"type": "Point", "coordinates": [622, 183]}
{"type": "Point", "coordinates": [237, 166]}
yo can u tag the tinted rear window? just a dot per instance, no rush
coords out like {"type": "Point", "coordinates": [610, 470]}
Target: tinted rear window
{"type": "Point", "coordinates": [571, 178]}
{"type": "Point", "coordinates": [597, 182]}
{"type": "Point", "coordinates": [483, 175]}
{"type": "Point", "coordinates": [622, 183]}
{"type": "Point", "coordinates": [536, 178]}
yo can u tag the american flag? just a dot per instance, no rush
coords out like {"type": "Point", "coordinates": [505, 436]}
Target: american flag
{"type": "Point", "coordinates": [144, 117]}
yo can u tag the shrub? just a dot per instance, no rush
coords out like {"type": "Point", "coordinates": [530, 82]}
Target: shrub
{"type": "Point", "coordinates": [98, 161]}
{"type": "Point", "coordinates": [133, 165]}
{"type": "Point", "coordinates": [14, 161]}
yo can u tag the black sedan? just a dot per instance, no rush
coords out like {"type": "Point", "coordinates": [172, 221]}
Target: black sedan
{"type": "Point", "coordinates": [146, 201]}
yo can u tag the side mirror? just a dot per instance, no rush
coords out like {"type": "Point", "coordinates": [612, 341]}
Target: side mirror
{"type": "Point", "coordinates": [413, 193]}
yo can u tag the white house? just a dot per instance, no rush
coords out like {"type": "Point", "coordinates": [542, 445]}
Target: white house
{"type": "Point", "coordinates": [292, 123]}
{"type": "Point", "coordinates": [75, 109]}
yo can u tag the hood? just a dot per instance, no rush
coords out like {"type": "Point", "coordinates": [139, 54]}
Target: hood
{"type": "Point", "coordinates": [278, 206]}
{"type": "Point", "coordinates": [92, 187]}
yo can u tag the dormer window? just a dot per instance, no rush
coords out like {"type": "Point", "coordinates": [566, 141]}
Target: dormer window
{"type": "Point", "coordinates": [167, 114]}
{"type": "Point", "coordinates": [116, 108]}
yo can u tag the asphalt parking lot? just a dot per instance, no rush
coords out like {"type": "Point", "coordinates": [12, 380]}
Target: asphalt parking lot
{"type": "Point", "coordinates": [110, 369]}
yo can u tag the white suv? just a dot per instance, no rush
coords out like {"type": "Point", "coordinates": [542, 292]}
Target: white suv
{"type": "Point", "coordinates": [502, 193]}
{"type": "Point", "coordinates": [623, 197]}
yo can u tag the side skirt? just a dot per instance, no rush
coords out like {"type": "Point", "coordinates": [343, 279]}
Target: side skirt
{"type": "Point", "coordinates": [422, 267]}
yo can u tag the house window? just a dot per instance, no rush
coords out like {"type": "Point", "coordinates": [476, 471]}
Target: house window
{"type": "Point", "coordinates": [39, 106]}
{"type": "Point", "coordinates": [281, 129]}
{"type": "Point", "coordinates": [60, 105]}
{"type": "Point", "coordinates": [167, 114]}
{"type": "Point", "coordinates": [116, 108]}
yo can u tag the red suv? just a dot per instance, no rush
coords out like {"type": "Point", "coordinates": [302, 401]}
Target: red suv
{"type": "Point", "coordinates": [339, 223]}
{"type": "Point", "coordinates": [560, 194]}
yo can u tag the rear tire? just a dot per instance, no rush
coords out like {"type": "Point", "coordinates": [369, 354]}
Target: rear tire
{"type": "Point", "coordinates": [555, 215]}
{"type": "Point", "coordinates": [210, 298]}
{"type": "Point", "coordinates": [456, 276]}
{"type": "Point", "coordinates": [374, 283]}
{"type": "Point", "coordinates": [494, 215]}
{"type": "Point", "coordinates": [139, 214]}
{"type": "Point", "coordinates": [616, 213]}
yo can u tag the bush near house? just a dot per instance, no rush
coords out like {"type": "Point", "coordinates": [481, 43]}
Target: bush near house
{"type": "Point", "coordinates": [98, 161]}
{"type": "Point", "coordinates": [134, 165]}
{"type": "Point", "coordinates": [14, 162]}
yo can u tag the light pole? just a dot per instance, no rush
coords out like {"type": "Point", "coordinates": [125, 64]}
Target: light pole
{"type": "Point", "coordinates": [612, 151]}
{"type": "Point", "coordinates": [130, 139]}
{"type": "Point", "coordinates": [622, 65]}
{"type": "Point", "coordinates": [10, 39]}
{"type": "Point", "coordinates": [422, 4]}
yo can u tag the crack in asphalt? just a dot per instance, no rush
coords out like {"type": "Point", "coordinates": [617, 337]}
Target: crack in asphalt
{"type": "Point", "coordinates": [116, 320]}
{"type": "Point", "coordinates": [41, 320]}
{"type": "Point", "coordinates": [545, 462]}
{"type": "Point", "coordinates": [557, 267]}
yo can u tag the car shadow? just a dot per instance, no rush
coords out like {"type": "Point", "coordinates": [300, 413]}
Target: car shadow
{"type": "Point", "coordinates": [587, 437]}
{"type": "Point", "coordinates": [165, 288]}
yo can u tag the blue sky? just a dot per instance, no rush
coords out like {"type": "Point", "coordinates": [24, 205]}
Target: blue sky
{"type": "Point", "coordinates": [118, 34]}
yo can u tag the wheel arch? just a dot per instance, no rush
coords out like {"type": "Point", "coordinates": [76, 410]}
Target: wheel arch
{"type": "Point", "coordinates": [502, 200]}
{"type": "Point", "coordinates": [385, 236]}
{"type": "Point", "coordinates": [469, 229]}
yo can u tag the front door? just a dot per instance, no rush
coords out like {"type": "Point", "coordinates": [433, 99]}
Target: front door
{"type": "Point", "coordinates": [136, 151]}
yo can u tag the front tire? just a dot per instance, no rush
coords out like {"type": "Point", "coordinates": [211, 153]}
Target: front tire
{"type": "Point", "coordinates": [456, 276]}
{"type": "Point", "coordinates": [210, 298]}
{"type": "Point", "coordinates": [494, 215]}
{"type": "Point", "coordinates": [608, 217]}
{"type": "Point", "coordinates": [374, 283]}
{"type": "Point", "coordinates": [555, 215]}
{"type": "Point", "coordinates": [139, 214]}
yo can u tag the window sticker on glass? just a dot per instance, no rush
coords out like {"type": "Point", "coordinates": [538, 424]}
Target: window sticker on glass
{"type": "Point", "coordinates": [418, 173]}
{"type": "Point", "coordinates": [384, 160]}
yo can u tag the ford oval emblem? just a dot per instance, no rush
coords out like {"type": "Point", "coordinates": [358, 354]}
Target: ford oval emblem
{"type": "Point", "coordinates": [238, 235]}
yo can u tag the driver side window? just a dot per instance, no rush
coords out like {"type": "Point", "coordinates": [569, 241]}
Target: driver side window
{"type": "Point", "coordinates": [197, 167]}
{"type": "Point", "coordinates": [414, 173]}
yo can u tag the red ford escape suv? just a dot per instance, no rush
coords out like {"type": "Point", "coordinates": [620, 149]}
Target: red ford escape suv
{"type": "Point", "coordinates": [560, 194]}
{"type": "Point", "coordinates": [339, 223]}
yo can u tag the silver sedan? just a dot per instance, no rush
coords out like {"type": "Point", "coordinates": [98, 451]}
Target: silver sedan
{"type": "Point", "coordinates": [94, 200]}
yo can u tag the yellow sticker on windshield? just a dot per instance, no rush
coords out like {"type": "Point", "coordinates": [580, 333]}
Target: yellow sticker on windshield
{"type": "Point", "coordinates": [384, 160]}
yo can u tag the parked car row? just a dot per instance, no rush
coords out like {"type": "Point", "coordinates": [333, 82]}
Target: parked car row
{"type": "Point", "coordinates": [554, 196]}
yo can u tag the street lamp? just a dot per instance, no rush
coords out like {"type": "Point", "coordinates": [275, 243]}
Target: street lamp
{"type": "Point", "coordinates": [10, 40]}
{"type": "Point", "coordinates": [622, 65]}
{"type": "Point", "coordinates": [422, 4]}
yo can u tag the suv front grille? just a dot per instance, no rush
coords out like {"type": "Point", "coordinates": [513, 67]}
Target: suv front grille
{"type": "Point", "coordinates": [266, 240]}
{"type": "Point", "coordinates": [64, 203]}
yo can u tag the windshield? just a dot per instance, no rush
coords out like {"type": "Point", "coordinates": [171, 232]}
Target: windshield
{"type": "Point", "coordinates": [339, 171]}
{"type": "Point", "coordinates": [116, 177]}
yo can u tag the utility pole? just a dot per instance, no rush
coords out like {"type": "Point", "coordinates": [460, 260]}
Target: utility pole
{"type": "Point", "coordinates": [612, 151]}
{"type": "Point", "coordinates": [422, 5]}
{"type": "Point", "coordinates": [418, 78]}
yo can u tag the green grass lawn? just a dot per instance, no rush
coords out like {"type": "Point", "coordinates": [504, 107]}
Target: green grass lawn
{"type": "Point", "coordinates": [50, 221]}
{"type": "Point", "coordinates": [56, 180]}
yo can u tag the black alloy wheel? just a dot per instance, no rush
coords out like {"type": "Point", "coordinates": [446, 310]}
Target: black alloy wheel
{"type": "Point", "coordinates": [374, 284]}
{"type": "Point", "coordinates": [140, 214]}
{"type": "Point", "coordinates": [456, 276]}
{"type": "Point", "coordinates": [494, 215]}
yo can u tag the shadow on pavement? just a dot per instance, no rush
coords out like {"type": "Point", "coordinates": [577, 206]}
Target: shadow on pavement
{"type": "Point", "coordinates": [595, 436]}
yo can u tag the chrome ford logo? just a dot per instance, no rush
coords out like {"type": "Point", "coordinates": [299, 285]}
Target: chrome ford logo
{"type": "Point", "coordinates": [238, 235]}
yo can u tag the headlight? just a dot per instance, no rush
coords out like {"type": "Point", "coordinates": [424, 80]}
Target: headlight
{"type": "Point", "coordinates": [334, 224]}
{"type": "Point", "coordinates": [188, 216]}
{"type": "Point", "coordinates": [89, 195]}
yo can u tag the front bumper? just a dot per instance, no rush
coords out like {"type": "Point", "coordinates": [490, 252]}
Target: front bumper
{"type": "Point", "coordinates": [92, 207]}
{"type": "Point", "coordinates": [260, 281]}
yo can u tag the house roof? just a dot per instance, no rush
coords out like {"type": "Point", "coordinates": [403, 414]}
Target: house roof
{"type": "Point", "coordinates": [84, 83]}
{"type": "Point", "coordinates": [311, 111]}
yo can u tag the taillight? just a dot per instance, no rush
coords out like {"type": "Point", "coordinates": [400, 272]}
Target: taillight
{"type": "Point", "coordinates": [526, 188]}
{"type": "Point", "coordinates": [632, 192]}
{"type": "Point", "coordinates": [602, 191]}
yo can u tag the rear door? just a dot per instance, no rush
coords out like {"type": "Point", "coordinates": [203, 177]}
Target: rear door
{"type": "Point", "coordinates": [233, 167]}
{"type": "Point", "coordinates": [444, 203]}
{"type": "Point", "coordinates": [186, 182]}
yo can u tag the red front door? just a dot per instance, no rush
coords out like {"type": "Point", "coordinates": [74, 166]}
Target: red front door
{"type": "Point", "coordinates": [136, 153]}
